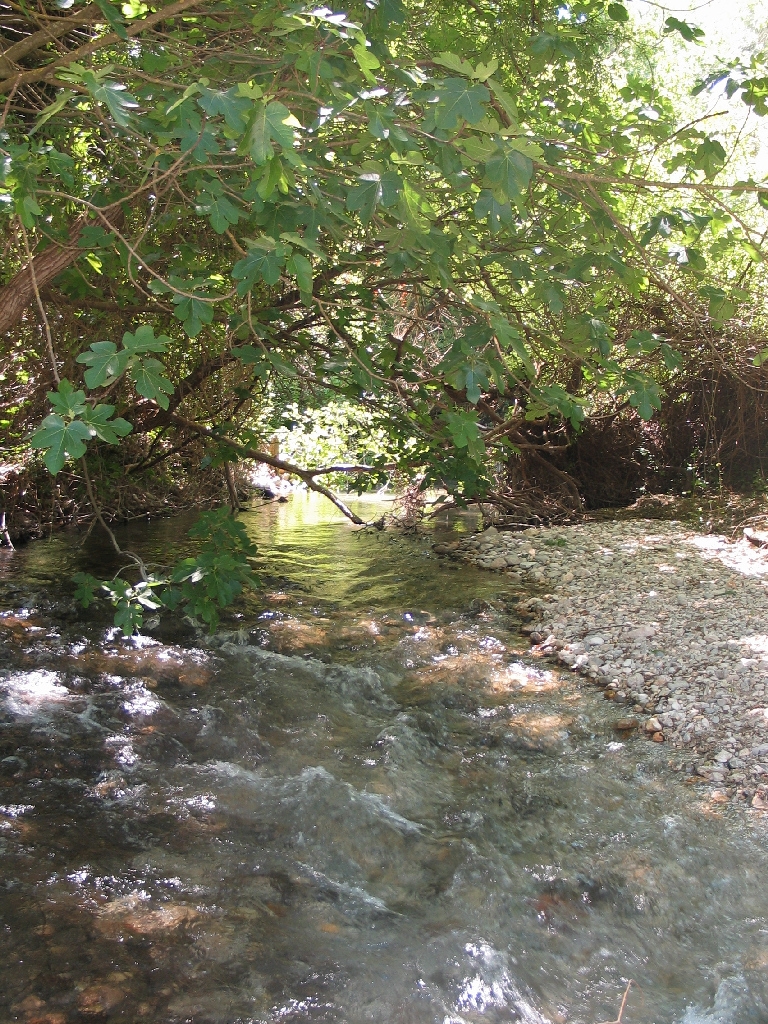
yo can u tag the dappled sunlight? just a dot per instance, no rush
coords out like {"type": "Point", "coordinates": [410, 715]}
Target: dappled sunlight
{"type": "Point", "coordinates": [138, 914]}
{"type": "Point", "coordinates": [159, 663]}
{"type": "Point", "coordinates": [519, 677]}
{"type": "Point", "coordinates": [739, 556]}
{"type": "Point", "coordinates": [541, 727]}
{"type": "Point", "coordinates": [290, 634]}
{"type": "Point", "coordinates": [27, 692]}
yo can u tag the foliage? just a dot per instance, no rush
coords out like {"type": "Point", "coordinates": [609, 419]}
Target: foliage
{"type": "Point", "coordinates": [445, 215]}
{"type": "Point", "coordinates": [202, 584]}
{"type": "Point", "coordinates": [66, 431]}
{"type": "Point", "coordinates": [338, 432]}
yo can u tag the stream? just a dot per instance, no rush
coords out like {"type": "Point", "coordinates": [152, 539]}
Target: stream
{"type": "Point", "coordinates": [362, 801]}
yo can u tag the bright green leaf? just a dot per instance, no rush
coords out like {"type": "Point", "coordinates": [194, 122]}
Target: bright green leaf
{"type": "Point", "coordinates": [457, 99]}
{"type": "Point", "coordinates": [269, 123]}
{"type": "Point", "coordinates": [148, 376]}
{"type": "Point", "coordinates": [60, 440]}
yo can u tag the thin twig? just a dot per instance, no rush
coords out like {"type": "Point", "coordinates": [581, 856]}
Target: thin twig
{"type": "Point", "coordinates": [40, 306]}
{"type": "Point", "coordinates": [4, 531]}
{"type": "Point", "coordinates": [620, 1018]}
{"type": "Point", "coordinates": [103, 523]}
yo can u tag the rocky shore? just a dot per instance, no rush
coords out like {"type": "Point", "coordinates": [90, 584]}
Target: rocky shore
{"type": "Point", "coordinates": [671, 624]}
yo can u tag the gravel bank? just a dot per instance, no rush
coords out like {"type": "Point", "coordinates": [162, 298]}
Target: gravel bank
{"type": "Point", "coordinates": [671, 624]}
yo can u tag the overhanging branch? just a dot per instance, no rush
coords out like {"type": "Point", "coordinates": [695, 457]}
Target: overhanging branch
{"type": "Point", "coordinates": [307, 476]}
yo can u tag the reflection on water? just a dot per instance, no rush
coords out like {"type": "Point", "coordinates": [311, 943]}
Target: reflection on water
{"type": "Point", "coordinates": [363, 802]}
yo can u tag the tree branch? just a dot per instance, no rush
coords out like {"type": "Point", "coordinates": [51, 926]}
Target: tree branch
{"type": "Point", "coordinates": [135, 29]}
{"type": "Point", "coordinates": [307, 476]}
{"type": "Point", "coordinates": [40, 271]}
{"type": "Point", "coordinates": [55, 29]}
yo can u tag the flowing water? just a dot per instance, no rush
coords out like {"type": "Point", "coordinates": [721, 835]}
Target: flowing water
{"type": "Point", "coordinates": [364, 802]}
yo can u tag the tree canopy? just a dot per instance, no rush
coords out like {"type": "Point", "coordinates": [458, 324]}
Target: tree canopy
{"type": "Point", "coordinates": [459, 216]}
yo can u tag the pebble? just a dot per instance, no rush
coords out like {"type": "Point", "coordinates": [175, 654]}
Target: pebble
{"type": "Point", "coordinates": [666, 620]}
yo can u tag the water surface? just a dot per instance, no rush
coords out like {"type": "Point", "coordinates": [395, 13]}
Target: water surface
{"type": "Point", "coordinates": [363, 802]}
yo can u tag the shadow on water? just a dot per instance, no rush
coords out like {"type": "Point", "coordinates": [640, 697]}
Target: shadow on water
{"type": "Point", "coordinates": [362, 801]}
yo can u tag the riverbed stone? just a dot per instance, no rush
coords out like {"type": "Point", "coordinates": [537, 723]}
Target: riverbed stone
{"type": "Point", "coordinates": [661, 617]}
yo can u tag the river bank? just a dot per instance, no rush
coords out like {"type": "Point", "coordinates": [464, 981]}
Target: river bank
{"type": "Point", "coordinates": [670, 623]}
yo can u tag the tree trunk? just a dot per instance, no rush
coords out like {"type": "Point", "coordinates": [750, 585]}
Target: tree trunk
{"type": "Point", "coordinates": [20, 290]}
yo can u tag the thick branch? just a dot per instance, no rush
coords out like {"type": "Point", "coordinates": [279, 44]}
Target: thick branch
{"type": "Point", "coordinates": [109, 39]}
{"type": "Point", "coordinates": [43, 268]}
{"type": "Point", "coordinates": [55, 29]}
{"type": "Point", "coordinates": [307, 476]}
{"type": "Point", "coordinates": [40, 272]}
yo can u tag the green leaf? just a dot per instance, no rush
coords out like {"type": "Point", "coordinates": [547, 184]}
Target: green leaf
{"type": "Point", "coordinates": [281, 365]}
{"type": "Point", "coordinates": [484, 71]}
{"type": "Point", "coordinates": [134, 9]}
{"type": "Point", "coordinates": [506, 100]}
{"type": "Point", "coordinates": [101, 425]}
{"type": "Point", "coordinates": [60, 440]}
{"type": "Point", "coordinates": [28, 209]}
{"type": "Point", "coordinates": [691, 33]}
{"type": "Point", "coordinates": [554, 398]}
{"type": "Point", "coordinates": [86, 588]}
{"type": "Point", "coordinates": [301, 267]}
{"type": "Point", "coordinates": [66, 401]}
{"type": "Point", "coordinates": [144, 340]}
{"type": "Point", "coordinates": [498, 214]}
{"type": "Point", "coordinates": [128, 617]}
{"type": "Point", "coordinates": [415, 209]}
{"type": "Point", "coordinates": [471, 377]}
{"type": "Point", "coordinates": [510, 171]}
{"type": "Point", "coordinates": [709, 157]}
{"type": "Point", "coordinates": [269, 123]}
{"type": "Point", "coordinates": [644, 394]}
{"type": "Point", "coordinates": [304, 243]}
{"type": "Point", "coordinates": [366, 61]}
{"type": "Point", "coordinates": [365, 197]}
{"type": "Point", "coordinates": [552, 294]}
{"type": "Point", "coordinates": [113, 18]}
{"type": "Point", "coordinates": [457, 99]}
{"type": "Point", "coordinates": [465, 433]}
{"type": "Point", "coordinates": [114, 96]}
{"type": "Point", "coordinates": [202, 143]}
{"type": "Point", "coordinates": [509, 337]}
{"type": "Point", "coordinates": [230, 104]}
{"type": "Point", "coordinates": [390, 12]}
{"type": "Point", "coordinates": [455, 63]}
{"type": "Point", "coordinates": [149, 380]}
{"type": "Point", "coordinates": [618, 12]}
{"type": "Point", "coordinates": [50, 111]}
{"type": "Point", "coordinates": [642, 342]}
{"type": "Point", "coordinates": [374, 189]}
{"type": "Point", "coordinates": [221, 212]}
{"type": "Point", "coordinates": [105, 363]}
{"type": "Point", "coordinates": [264, 262]}
{"type": "Point", "coordinates": [673, 360]}
{"type": "Point", "coordinates": [751, 250]}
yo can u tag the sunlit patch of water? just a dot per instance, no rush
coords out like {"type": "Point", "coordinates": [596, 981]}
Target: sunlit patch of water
{"type": "Point", "coordinates": [27, 692]}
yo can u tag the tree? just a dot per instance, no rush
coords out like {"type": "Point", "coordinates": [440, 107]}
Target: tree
{"type": "Point", "coordinates": [438, 213]}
